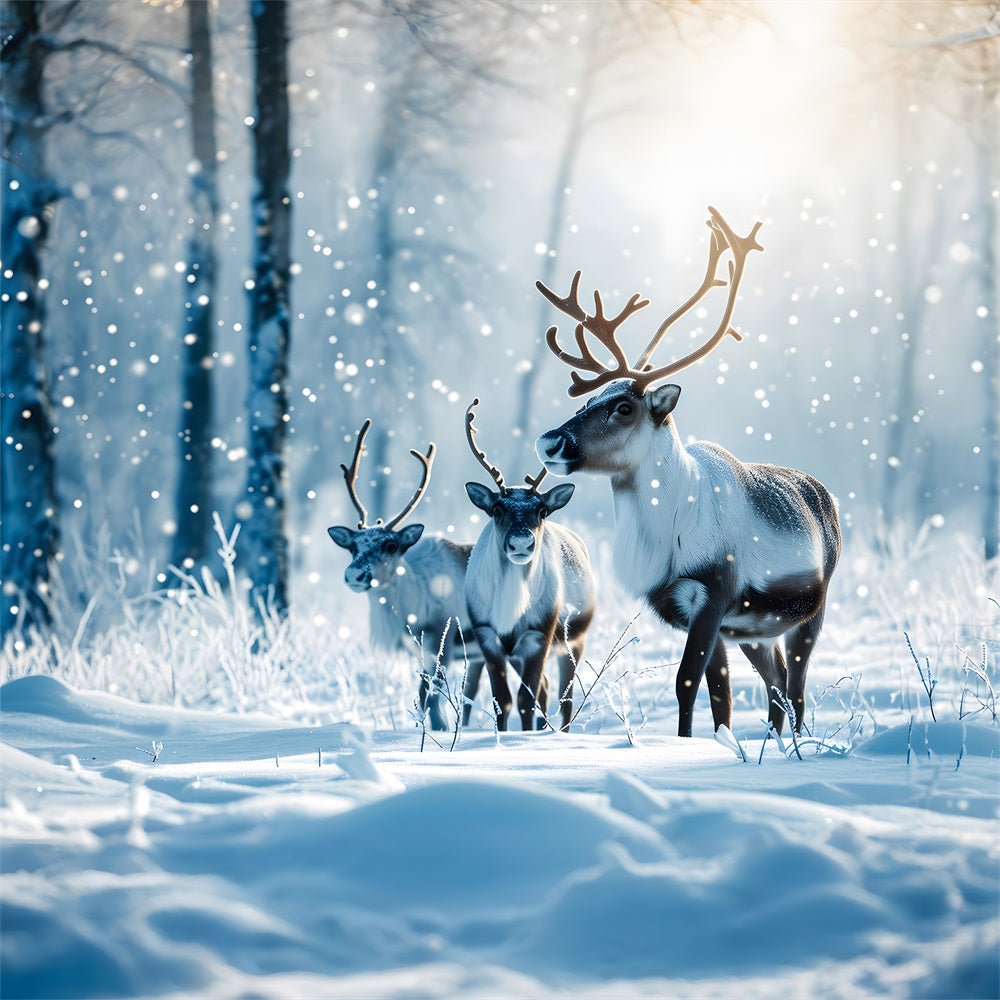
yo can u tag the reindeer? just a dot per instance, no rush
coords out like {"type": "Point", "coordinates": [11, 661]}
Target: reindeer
{"type": "Point", "coordinates": [414, 585]}
{"type": "Point", "coordinates": [526, 579]}
{"type": "Point", "coordinates": [721, 549]}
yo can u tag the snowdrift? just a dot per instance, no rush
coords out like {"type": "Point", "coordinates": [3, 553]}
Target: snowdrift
{"type": "Point", "coordinates": [316, 861]}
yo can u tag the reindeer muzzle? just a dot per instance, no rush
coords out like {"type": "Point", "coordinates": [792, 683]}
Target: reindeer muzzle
{"type": "Point", "coordinates": [357, 580]}
{"type": "Point", "coordinates": [519, 548]}
{"type": "Point", "coordinates": [558, 452]}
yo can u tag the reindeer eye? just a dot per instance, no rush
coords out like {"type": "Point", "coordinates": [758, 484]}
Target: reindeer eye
{"type": "Point", "coordinates": [497, 510]}
{"type": "Point", "coordinates": [624, 409]}
{"type": "Point", "coordinates": [392, 547]}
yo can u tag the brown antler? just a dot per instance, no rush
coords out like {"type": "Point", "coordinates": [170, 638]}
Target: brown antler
{"type": "Point", "coordinates": [642, 374]}
{"type": "Point", "coordinates": [426, 461]}
{"type": "Point", "coordinates": [601, 326]}
{"type": "Point", "coordinates": [723, 237]}
{"type": "Point", "coordinates": [470, 433]}
{"type": "Point", "coordinates": [495, 474]}
{"type": "Point", "coordinates": [351, 474]}
{"type": "Point", "coordinates": [351, 478]}
{"type": "Point", "coordinates": [534, 481]}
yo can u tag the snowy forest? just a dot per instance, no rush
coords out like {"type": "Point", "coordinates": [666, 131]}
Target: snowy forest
{"type": "Point", "coordinates": [167, 355]}
{"type": "Point", "coordinates": [235, 230]}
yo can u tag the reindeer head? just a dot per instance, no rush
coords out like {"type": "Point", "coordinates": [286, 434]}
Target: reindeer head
{"type": "Point", "coordinates": [518, 513]}
{"type": "Point", "coordinates": [611, 434]}
{"type": "Point", "coordinates": [614, 429]}
{"type": "Point", "coordinates": [377, 550]}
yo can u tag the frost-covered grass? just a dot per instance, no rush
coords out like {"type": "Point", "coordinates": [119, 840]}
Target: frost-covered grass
{"type": "Point", "coordinates": [912, 608]}
{"type": "Point", "coordinates": [198, 805]}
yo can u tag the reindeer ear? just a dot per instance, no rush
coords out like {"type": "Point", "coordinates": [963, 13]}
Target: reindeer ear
{"type": "Point", "coordinates": [342, 536]}
{"type": "Point", "coordinates": [410, 535]}
{"type": "Point", "coordinates": [482, 496]}
{"type": "Point", "coordinates": [558, 496]}
{"type": "Point", "coordinates": [662, 400]}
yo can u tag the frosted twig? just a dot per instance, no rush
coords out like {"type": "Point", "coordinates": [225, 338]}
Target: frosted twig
{"type": "Point", "coordinates": [929, 682]}
{"type": "Point", "coordinates": [971, 667]}
{"type": "Point", "coordinates": [457, 702]}
{"type": "Point", "coordinates": [157, 746]}
{"type": "Point", "coordinates": [782, 701]}
{"type": "Point", "coordinates": [621, 644]}
{"type": "Point", "coordinates": [767, 735]}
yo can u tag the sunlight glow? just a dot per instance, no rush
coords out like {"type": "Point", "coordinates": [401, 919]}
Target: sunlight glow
{"type": "Point", "coordinates": [759, 101]}
{"type": "Point", "coordinates": [750, 114]}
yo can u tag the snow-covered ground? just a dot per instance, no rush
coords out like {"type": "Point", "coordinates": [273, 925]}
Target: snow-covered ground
{"type": "Point", "coordinates": [290, 838]}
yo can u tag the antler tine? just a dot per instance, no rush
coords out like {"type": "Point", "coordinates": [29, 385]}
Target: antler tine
{"type": "Point", "coordinates": [351, 474]}
{"type": "Point", "coordinates": [717, 248]}
{"type": "Point", "coordinates": [534, 481]}
{"type": "Point", "coordinates": [426, 461]}
{"type": "Point", "coordinates": [604, 328]}
{"type": "Point", "coordinates": [470, 433]}
{"type": "Point", "coordinates": [741, 247]}
{"type": "Point", "coordinates": [569, 305]}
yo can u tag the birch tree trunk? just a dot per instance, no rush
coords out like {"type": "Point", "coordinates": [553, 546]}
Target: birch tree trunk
{"type": "Point", "coordinates": [267, 404]}
{"type": "Point", "coordinates": [194, 491]}
{"type": "Point", "coordinates": [28, 502]}
{"type": "Point", "coordinates": [989, 162]}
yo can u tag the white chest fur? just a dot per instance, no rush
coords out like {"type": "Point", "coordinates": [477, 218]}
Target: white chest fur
{"type": "Point", "coordinates": [496, 590]}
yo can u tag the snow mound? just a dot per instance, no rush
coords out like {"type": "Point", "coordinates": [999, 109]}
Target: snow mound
{"type": "Point", "coordinates": [240, 863]}
{"type": "Point", "coordinates": [942, 739]}
{"type": "Point", "coordinates": [40, 695]}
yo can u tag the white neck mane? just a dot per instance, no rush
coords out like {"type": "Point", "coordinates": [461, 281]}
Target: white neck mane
{"type": "Point", "coordinates": [495, 587]}
{"type": "Point", "coordinates": [656, 509]}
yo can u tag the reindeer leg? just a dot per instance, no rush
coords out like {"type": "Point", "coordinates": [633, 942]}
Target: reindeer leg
{"type": "Point", "coordinates": [435, 698]}
{"type": "Point", "coordinates": [422, 690]}
{"type": "Point", "coordinates": [703, 637]}
{"type": "Point", "coordinates": [434, 684]}
{"type": "Point", "coordinates": [542, 699]}
{"type": "Point", "coordinates": [496, 667]}
{"type": "Point", "coordinates": [769, 662]}
{"type": "Point", "coordinates": [528, 658]}
{"type": "Point", "coordinates": [799, 643]}
{"type": "Point", "coordinates": [501, 691]}
{"type": "Point", "coordinates": [569, 659]}
{"type": "Point", "coordinates": [720, 689]}
{"type": "Point", "coordinates": [473, 676]}
{"type": "Point", "coordinates": [567, 671]}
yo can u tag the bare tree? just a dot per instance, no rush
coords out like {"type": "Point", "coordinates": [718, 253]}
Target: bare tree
{"type": "Point", "coordinates": [264, 536]}
{"type": "Point", "coordinates": [193, 496]}
{"type": "Point", "coordinates": [28, 503]}
{"type": "Point", "coordinates": [951, 54]}
{"type": "Point", "coordinates": [437, 63]}
{"type": "Point", "coordinates": [63, 77]}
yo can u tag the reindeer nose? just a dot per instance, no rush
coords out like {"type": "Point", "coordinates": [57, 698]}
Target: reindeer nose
{"type": "Point", "coordinates": [520, 547]}
{"type": "Point", "coordinates": [549, 445]}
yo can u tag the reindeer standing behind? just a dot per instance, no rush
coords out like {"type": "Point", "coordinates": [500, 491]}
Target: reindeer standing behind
{"type": "Point", "coordinates": [528, 579]}
{"type": "Point", "coordinates": [415, 587]}
{"type": "Point", "coordinates": [719, 548]}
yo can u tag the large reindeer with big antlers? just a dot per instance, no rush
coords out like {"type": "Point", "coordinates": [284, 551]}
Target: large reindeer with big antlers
{"type": "Point", "coordinates": [414, 586]}
{"type": "Point", "coordinates": [719, 548]}
{"type": "Point", "coordinates": [528, 578]}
